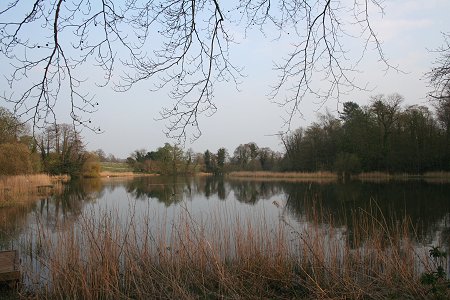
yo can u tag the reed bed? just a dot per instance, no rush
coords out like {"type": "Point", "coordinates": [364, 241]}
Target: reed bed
{"type": "Point", "coordinates": [441, 174]}
{"type": "Point", "coordinates": [437, 177]}
{"type": "Point", "coordinates": [326, 176]}
{"type": "Point", "coordinates": [24, 188]}
{"type": "Point", "coordinates": [223, 256]}
{"type": "Point", "coordinates": [373, 176]}
{"type": "Point", "coordinates": [432, 177]}
{"type": "Point", "coordinates": [109, 174]}
{"type": "Point", "coordinates": [291, 176]}
{"type": "Point", "coordinates": [117, 174]}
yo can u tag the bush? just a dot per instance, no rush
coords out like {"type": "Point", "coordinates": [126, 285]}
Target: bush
{"type": "Point", "coordinates": [15, 159]}
{"type": "Point", "coordinates": [91, 166]}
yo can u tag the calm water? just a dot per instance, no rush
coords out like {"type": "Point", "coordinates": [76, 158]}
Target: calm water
{"type": "Point", "coordinates": [426, 204]}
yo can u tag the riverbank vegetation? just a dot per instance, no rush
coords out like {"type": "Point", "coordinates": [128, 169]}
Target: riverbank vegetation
{"type": "Point", "coordinates": [105, 256]}
{"type": "Point", "coordinates": [260, 175]}
{"type": "Point", "coordinates": [23, 188]}
{"type": "Point", "coordinates": [57, 149]}
{"type": "Point", "coordinates": [382, 138]}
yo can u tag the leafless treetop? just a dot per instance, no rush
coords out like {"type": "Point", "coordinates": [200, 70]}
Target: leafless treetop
{"type": "Point", "coordinates": [439, 76]}
{"type": "Point", "coordinates": [180, 45]}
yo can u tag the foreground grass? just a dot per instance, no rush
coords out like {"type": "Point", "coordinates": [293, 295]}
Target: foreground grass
{"type": "Point", "coordinates": [223, 257]}
{"type": "Point", "coordinates": [24, 188]}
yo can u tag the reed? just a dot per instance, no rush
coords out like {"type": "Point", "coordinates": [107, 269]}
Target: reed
{"type": "Point", "coordinates": [108, 174]}
{"type": "Point", "coordinates": [24, 188]}
{"type": "Point", "coordinates": [440, 174]}
{"type": "Point", "coordinates": [437, 177]}
{"type": "Point", "coordinates": [432, 177]}
{"type": "Point", "coordinates": [117, 174]}
{"type": "Point", "coordinates": [300, 176]}
{"type": "Point", "coordinates": [223, 255]}
{"type": "Point", "coordinates": [373, 176]}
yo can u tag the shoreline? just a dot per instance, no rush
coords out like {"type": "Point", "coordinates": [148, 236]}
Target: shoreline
{"type": "Point", "coordinates": [330, 176]}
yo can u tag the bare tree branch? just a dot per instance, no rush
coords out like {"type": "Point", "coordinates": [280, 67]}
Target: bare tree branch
{"type": "Point", "coordinates": [182, 46]}
{"type": "Point", "coordinates": [439, 76]}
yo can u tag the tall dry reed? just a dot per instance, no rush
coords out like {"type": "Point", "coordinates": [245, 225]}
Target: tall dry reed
{"type": "Point", "coordinates": [321, 176]}
{"type": "Point", "coordinates": [223, 255]}
{"type": "Point", "coordinates": [23, 188]}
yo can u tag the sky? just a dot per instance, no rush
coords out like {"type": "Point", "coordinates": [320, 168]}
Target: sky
{"type": "Point", "coordinates": [409, 29]}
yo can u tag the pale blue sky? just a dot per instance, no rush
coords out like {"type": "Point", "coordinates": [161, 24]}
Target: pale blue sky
{"type": "Point", "coordinates": [408, 29]}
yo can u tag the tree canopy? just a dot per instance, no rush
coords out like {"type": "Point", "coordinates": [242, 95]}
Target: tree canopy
{"type": "Point", "coordinates": [182, 46]}
{"type": "Point", "coordinates": [383, 136]}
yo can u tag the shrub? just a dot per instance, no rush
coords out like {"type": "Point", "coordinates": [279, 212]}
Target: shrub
{"type": "Point", "coordinates": [15, 159]}
{"type": "Point", "coordinates": [91, 166]}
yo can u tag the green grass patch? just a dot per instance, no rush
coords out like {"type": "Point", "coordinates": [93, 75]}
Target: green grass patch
{"type": "Point", "coordinates": [115, 167]}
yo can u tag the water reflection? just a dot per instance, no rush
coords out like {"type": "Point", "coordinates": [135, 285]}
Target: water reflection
{"type": "Point", "coordinates": [12, 221]}
{"type": "Point", "coordinates": [70, 203]}
{"type": "Point", "coordinates": [424, 204]}
{"type": "Point", "coordinates": [251, 191]}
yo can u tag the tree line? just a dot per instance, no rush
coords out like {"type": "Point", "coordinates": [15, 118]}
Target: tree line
{"type": "Point", "coordinates": [380, 136]}
{"type": "Point", "coordinates": [57, 149]}
{"type": "Point", "coordinates": [170, 160]}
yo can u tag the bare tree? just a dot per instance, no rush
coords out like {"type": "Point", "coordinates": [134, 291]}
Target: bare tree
{"type": "Point", "coordinates": [439, 75]}
{"type": "Point", "coordinates": [387, 113]}
{"type": "Point", "coordinates": [439, 78]}
{"type": "Point", "coordinates": [181, 45]}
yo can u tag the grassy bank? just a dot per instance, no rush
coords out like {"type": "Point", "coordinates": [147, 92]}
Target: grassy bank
{"type": "Point", "coordinates": [23, 188]}
{"type": "Point", "coordinates": [117, 174]}
{"type": "Point", "coordinates": [224, 257]}
{"type": "Point", "coordinates": [115, 167]}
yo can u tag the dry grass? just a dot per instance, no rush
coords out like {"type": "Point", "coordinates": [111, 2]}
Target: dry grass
{"type": "Point", "coordinates": [286, 176]}
{"type": "Point", "coordinates": [437, 174]}
{"type": "Point", "coordinates": [221, 256]}
{"type": "Point", "coordinates": [373, 176]}
{"type": "Point", "coordinates": [383, 176]}
{"type": "Point", "coordinates": [124, 174]}
{"type": "Point", "coordinates": [330, 176]}
{"type": "Point", "coordinates": [108, 174]}
{"type": "Point", "coordinates": [437, 177]}
{"type": "Point", "coordinates": [117, 174]}
{"type": "Point", "coordinates": [24, 188]}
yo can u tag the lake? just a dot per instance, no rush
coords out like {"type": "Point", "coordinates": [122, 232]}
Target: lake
{"type": "Point", "coordinates": [160, 206]}
{"type": "Point", "coordinates": [426, 204]}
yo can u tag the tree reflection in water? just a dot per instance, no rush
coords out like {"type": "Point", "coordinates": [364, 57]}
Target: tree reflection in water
{"type": "Point", "coordinates": [425, 205]}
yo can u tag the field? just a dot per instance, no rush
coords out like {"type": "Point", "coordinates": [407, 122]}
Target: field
{"type": "Point", "coordinates": [115, 167]}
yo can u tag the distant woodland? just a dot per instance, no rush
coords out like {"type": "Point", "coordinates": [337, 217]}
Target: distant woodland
{"type": "Point", "coordinates": [382, 136]}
